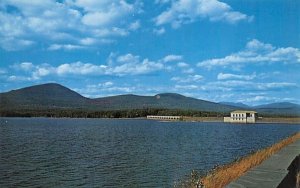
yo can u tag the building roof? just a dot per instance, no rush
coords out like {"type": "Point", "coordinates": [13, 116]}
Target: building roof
{"type": "Point", "coordinates": [244, 111]}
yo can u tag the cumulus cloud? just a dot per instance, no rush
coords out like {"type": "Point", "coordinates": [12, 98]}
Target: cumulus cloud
{"type": "Point", "coordinates": [186, 11]}
{"type": "Point", "coordinates": [224, 76]}
{"type": "Point", "coordinates": [130, 64]}
{"type": "Point", "coordinates": [26, 23]}
{"type": "Point", "coordinates": [104, 13]}
{"type": "Point", "coordinates": [80, 69]}
{"type": "Point", "coordinates": [255, 52]}
{"type": "Point", "coordinates": [182, 64]}
{"type": "Point", "coordinates": [121, 65]}
{"type": "Point", "coordinates": [172, 58]}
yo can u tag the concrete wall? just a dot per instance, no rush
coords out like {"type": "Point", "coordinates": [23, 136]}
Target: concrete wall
{"type": "Point", "coordinates": [251, 120]}
{"type": "Point", "coordinates": [227, 119]}
{"type": "Point", "coordinates": [165, 117]}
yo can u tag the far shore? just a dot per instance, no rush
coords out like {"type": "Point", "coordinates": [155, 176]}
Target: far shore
{"type": "Point", "coordinates": [288, 120]}
{"type": "Point", "coordinates": [279, 120]}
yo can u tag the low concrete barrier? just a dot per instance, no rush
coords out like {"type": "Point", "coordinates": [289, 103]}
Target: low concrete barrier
{"type": "Point", "coordinates": [272, 172]}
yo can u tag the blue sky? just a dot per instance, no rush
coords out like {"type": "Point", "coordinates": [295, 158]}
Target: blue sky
{"type": "Point", "coordinates": [239, 51]}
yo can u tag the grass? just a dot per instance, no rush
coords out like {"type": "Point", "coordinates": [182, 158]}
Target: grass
{"type": "Point", "coordinates": [223, 175]}
{"type": "Point", "coordinates": [298, 180]}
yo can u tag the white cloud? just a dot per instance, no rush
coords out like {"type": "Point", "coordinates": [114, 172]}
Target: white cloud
{"type": "Point", "coordinates": [189, 78]}
{"type": "Point", "coordinates": [65, 47]}
{"type": "Point", "coordinates": [130, 64]}
{"type": "Point", "coordinates": [14, 78]}
{"type": "Point", "coordinates": [106, 84]}
{"type": "Point", "coordinates": [242, 85]}
{"type": "Point", "coordinates": [186, 87]}
{"type": "Point", "coordinates": [127, 64]}
{"type": "Point", "coordinates": [2, 71]}
{"type": "Point", "coordinates": [26, 66]}
{"type": "Point", "coordinates": [159, 31]}
{"type": "Point", "coordinates": [50, 22]}
{"type": "Point", "coordinates": [224, 76]}
{"type": "Point", "coordinates": [104, 89]}
{"type": "Point", "coordinates": [187, 11]}
{"type": "Point", "coordinates": [106, 12]}
{"type": "Point", "coordinates": [162, 1]}
{"type": "Point", "coordinates": [80, 69]}
{"type": "Point", "coordinates": [252, 98]}
{"type": "Point", "coordinates": [182, 64]}
{"type": "Point", "coordinates": [259, 99]}
{"type": "Point", "coordinates": [188, 71]}
{"type": "Point", "coordinates": [255, 52]}
{"type": "Point", "coordinates": [88, 41]}
{"type": "Point", "coordinates": [172, 58]}
{"type": "Point", "coordinates": [135, 25]}
{"type": "Point", "coordinates": [14, 44]}
{"type": "Point", "coordinates": [276, 85]}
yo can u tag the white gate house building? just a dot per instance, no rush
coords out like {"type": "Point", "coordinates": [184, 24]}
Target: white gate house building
{"type": "Point", "coordinates": [241, 116]}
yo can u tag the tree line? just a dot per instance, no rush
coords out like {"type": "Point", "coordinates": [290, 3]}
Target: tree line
{"type": "Point", "coordinates": [130, 113]}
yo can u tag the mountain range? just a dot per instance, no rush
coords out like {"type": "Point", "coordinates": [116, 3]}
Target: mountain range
{"type": "Point", "coordinates": [56, 96]}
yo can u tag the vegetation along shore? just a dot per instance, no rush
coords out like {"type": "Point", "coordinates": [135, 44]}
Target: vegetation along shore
{"type": "Point", "coordinates": [223, 175]}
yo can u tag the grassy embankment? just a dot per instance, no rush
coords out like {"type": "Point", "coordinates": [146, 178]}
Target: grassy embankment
{"type": "Point", "coordinates": [223, 175]}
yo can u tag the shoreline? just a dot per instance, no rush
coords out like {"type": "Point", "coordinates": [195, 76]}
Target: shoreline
{"type": "Point", "coordinates": [223, 175]}
{"type": "Point", "coordinates": [264, 120]}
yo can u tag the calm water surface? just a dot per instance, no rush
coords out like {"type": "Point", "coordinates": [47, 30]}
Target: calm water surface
{"type": "Point", "coordinates": [40, 152]}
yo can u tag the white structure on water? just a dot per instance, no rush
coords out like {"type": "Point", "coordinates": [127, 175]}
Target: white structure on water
{"type": "Point", "coordinates": [165, 117]}
{"type": "Point", "coordinates": [241, 116]}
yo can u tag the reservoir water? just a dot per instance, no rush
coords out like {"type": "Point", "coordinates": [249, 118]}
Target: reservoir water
{"type": "Point", "coordinates": [41, 152]}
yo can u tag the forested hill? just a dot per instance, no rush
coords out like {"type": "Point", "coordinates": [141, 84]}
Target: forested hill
{"type": "Point", "coordinates": [163, 100]}
{"type": "Point", "coordinates": [54, 96]}
{"type": "Point", "coordinates": [42, 96]}
{"type": "Point", "coordinates": [49, 96]}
